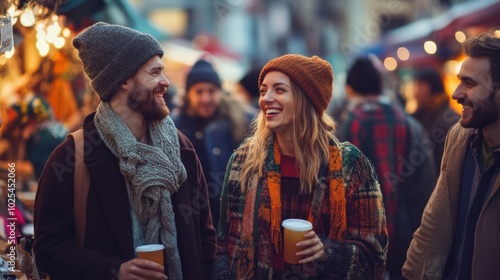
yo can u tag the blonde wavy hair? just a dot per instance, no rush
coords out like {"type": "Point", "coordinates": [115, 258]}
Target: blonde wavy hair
{"type": "Point", "coordinates": [312, 132]}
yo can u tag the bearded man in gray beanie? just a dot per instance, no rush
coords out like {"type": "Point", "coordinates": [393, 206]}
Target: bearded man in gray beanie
{"type": "Point", "coordinates": [146, 183]}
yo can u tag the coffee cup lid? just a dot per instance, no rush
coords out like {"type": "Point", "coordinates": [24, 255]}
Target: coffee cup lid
{"type": "Point", "coordinates": [297, 224]}
{"type": "Point", "coordinates": [150, 248]}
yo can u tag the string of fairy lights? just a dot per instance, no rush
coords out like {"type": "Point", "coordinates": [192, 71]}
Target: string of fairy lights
{"type": "Point", "coordinates": [40, 16]}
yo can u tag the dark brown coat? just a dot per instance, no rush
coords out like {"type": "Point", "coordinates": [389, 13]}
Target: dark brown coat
{"type": "Point", "coordinates": [108, 240]}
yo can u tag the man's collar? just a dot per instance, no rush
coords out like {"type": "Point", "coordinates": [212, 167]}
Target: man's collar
{"type": "Point", "coordinates": [476, 140]}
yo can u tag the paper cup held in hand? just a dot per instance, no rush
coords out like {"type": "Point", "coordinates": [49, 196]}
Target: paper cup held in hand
{"type": "Point", "coordinates": [152, 252]}
{"type": "Point", "coordinates": [294, 233]}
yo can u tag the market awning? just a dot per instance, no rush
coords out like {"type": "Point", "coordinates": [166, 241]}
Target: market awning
{"type": "Point", "coordinates": [473, 16]}
{"type": "Point", "coordinates": [82, 13]}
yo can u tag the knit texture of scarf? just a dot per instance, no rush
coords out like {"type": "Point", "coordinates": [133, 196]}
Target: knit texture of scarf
{"type": "Point", "coordinates": [263, 212]}
{"type": "Point", "coordinates": [152, 174]}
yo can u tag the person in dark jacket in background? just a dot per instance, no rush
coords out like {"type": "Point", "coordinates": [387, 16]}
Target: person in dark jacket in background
{"type": "Point", "coordinates": [400, 151]}
{"type": "Point", "coordinates": [215, 122]}
{"type": "Point", "coordinates": [434, 111]}
{"type": "Point", "coordinates": [146, 183]}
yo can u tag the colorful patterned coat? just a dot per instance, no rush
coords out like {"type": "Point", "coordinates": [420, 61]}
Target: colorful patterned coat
{"type": "Point", "coordinates": [360, 254]}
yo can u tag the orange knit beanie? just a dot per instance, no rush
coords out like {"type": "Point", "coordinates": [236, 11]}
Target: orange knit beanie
{"type": "Point", "coordinates": [313, 75]}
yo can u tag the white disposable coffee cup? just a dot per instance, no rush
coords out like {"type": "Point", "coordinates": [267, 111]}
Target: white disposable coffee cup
{"type": "Point", "coordinates": [152, 252]}
{"type": "Point", "coordinates": [295, 229]}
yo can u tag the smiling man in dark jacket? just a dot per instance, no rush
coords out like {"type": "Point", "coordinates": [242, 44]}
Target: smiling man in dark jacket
{"type": "Point", "coordinates": [146, 182]}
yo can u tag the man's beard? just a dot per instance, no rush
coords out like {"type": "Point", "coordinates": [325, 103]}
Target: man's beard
{"type": "Point", "coordinates": [143, 101]}
{"type": "Point", "coordinates": [484, 112]}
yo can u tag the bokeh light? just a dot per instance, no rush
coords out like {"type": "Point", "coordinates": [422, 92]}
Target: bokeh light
{"type": "Point", "coordinates": [59, 42]}
{"type": "Point", "coordinates": [403, 53]}
{"type": "Point", "coordinates": [390, 63]}
{"type": "Point", "coordinates": [430, 47]}
{"type": "Point", "coordinates": [27, 18]}
{"type": "Point", "coordinates": [460, 36]}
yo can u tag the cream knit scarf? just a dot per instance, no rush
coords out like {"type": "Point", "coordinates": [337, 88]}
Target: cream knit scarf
{"type": "Point", "coordinates": [152, 174]}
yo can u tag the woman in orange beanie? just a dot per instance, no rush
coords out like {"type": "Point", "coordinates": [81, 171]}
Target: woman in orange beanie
{"type": "Point", "coordinates": [293, 166]}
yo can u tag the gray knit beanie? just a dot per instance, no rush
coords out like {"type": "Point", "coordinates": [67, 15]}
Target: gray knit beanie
{"type": "Point", "coordinates": [111, 54]}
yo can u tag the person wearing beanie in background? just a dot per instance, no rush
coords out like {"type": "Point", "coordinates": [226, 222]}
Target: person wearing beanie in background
{"type": "Point", "coordinates": [292, 166]}
{"type": "Point", "coordinates": [143, 174]}
{"type": "Point", "coordinates": [434, 111]}
{"type": "Point", "coordinates": [397, 146]}
{"type": "Point", "coordinates": [247, 86]}
{"type": "Point", "coordinates": [215, 122]}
